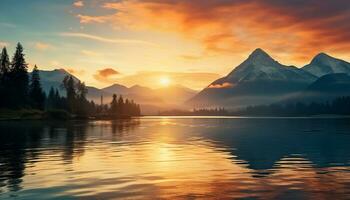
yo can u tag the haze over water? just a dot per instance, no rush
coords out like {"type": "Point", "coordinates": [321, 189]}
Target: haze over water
{"type": "Point", "coordinates": [176, 158]}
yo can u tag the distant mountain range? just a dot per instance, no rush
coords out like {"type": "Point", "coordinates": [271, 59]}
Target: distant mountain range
{"type": "Point", "coordinates": [258, 80]}
{"type": "Point", "coordinates": [262, 80]}
{"type": "Point", "coordinates": [151, 100]}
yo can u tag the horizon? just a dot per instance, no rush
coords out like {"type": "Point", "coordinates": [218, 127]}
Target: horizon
{"type": "Point", "coordinates": [126, 42]}
{"type": "Point", "coordinates": [166, 82]}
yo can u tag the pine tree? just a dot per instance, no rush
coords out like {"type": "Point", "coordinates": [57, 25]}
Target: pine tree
{"type": "Point", "coordinates": [19, 79]}
{"type": "Point", "coordinates": [36, 93]}
{"type": "Point", "coordinates": [50, 103]}
{"type": "Point", "coordinates": [68, 84]}
{"type": "Point", "coordinates": [4, 78]}
{"type": "Point", "coordinates": [4, 63]}
{"type": "Point", "coordinates": [120, 105]}
{"type": "Point", "coordinates": [81, 101]}
{"type": "Point", "coordinates": [114, 105]}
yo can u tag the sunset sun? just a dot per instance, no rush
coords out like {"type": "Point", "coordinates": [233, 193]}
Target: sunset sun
{"type": "Point", "coordinates": [164, 81]}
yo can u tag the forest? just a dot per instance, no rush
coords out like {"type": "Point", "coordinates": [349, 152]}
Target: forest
{"type": "Point", "coordinates": [337, 106]}
{"type": "Point", "coordinates": [22, 95]}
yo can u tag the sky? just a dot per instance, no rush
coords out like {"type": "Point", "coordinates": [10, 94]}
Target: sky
{"type": "Point", "coordinates": [185, 42]}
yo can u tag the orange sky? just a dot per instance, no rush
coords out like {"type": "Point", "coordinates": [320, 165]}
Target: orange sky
{"type": "Point", "coordinates": [193, 42]}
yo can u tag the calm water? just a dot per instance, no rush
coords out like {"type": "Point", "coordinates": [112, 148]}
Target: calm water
{"type": "Point", "coordinates": [174, 158]}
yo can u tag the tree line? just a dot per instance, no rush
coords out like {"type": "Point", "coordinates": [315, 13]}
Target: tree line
{"type": "Point", "coordinates": [338, 106]}
{"type": "Point", "coordinates": [18, 90]}
{"type": "Point", "coordinates": [196, 112]}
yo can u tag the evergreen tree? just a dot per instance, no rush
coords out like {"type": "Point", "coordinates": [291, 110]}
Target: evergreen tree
{"type": "Point", "coordinates": [4, 78]}
{"type": "Point", "coordinates": [114, 105]}
{"type": "Point", "coordinates": [81, 101]}
{"type": "Point", "coordinates": [36, 93]}
{"type": "Point", "coordinates": [120, 105]}
{"type": "Point", "coordinates": [18, 79]}
{"type": "Point", "coordinates": [4, 63]}
{"type": "Point", "coordinates": [81, 91]}
{"type": "Point", "coordinates": [50, 103]}
{"type": "Point", "coordinates": [68, 84]}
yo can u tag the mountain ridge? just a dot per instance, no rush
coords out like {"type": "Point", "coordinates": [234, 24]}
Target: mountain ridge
{"type": "Point", "coordinates": [323, 64]}
{"type": "Point", "coordinates": [259, 78]}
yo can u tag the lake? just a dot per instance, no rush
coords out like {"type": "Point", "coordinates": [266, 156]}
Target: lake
{"type": "Point", "coordinates": [176, 158]}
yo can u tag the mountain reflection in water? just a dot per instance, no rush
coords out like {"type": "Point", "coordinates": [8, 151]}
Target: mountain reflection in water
{"type": "Point", "coordinates": [174, 158]}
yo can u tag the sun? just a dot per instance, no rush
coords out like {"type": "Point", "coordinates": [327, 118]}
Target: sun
{"type": "Point", "coordinates": [164, 81]}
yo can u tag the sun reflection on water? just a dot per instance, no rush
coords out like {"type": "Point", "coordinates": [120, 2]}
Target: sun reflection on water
{"type": "Point", "coordinates": [167, 159]}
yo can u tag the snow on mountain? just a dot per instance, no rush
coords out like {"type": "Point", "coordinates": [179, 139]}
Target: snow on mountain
{"type": "Point", "coordinates": [323, 64]}
{"type": "Point", "coordinates": [260, 66]}
{"type": "Point", "coordinates": [259, 79]}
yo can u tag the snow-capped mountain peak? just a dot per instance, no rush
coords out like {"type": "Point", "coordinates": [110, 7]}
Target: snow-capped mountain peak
{"type": "Point", "coordinates": [323, 64]}
{"type": "Point", "coordinates": [260, 66]}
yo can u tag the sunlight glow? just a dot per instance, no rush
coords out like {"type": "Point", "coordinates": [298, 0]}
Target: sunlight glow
{"type": "Point", "coordinates": [165, 81]}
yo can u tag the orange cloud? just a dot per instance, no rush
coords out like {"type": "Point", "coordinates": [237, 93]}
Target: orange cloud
{"type": "Point", "coordinates": [75, 71]}
{"type": "Point", "coordinates": [294, 31]}
{"type": "Point", "coordinates": [104, 39]}
{"type": "Point", "coordinates": [90, 53]}
{"type": "Point", "coordinates": [106, 75]}
{"type": "Point", "coordinates": [85, 19]}
{"type": "Point", "coordinates": [78, 4]}
{"type": "Point", "coordinates": [4, 44]}
{"type": "Point", "coordinates": [42, 46]}
{"type": "Point", "coordinates": [223, 85]}
{"type": "Point", "coordinates": [190, 57]}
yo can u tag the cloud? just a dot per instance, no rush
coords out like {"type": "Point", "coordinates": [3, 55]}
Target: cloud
{"type": "Point", "coordinates": [78, 4]}
{"type": "Point", "coordinates": [90, 53]}
{"type": "Point", "coordinates": [85, 19]}
{"type": "Point", "coordinates": [106, 75]}
{"type": "Point", "coordinates": [190, 57]}
{"type": "Point", "coordinates": [222, 85]}
{"type": "Point", "coordinates": [55, 63]}
{"type": "Point", "coordinates": [8, 25]}
{"type": "Point", "coordinates": [4, 44]}
{"type": "Point", "coordinates": [302, 28]}
{"type": "Point", "coordinates": [42, 46]}
{"type": "Point", "coordinates": [75, 71]}
{"type": "Point", "coordinates": [104, 39]}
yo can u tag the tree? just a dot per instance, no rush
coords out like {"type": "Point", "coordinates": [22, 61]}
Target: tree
{"type": "Point", "coordinates": [68, 84]}
{"type": "Point", "coordinates": [50, 102]}
{"type": "Point", "coordinates": [82, 103]}
{"type": "Point", "coordinates": [120, 105]}
{"type": "Point", "coordinates": [81, 91]}
{"type": "Point", "coordinates": [18, 79]}
{"type": "Point", "coordinates": [114, 105]}
{"type": "Point", "coordinates": [4, 77]}
{"type": "Point", "coordinates": [4, 63]}
{"type": "Point", "coordinates": [36, 93]}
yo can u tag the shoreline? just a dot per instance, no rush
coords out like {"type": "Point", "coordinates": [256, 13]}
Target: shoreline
{"type": "Point", "coordinates": [179, 117]}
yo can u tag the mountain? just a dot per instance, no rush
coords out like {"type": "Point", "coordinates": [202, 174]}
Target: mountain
{"type": "Point", "coordinates": [54, 79]}
{"type": "Point", "coordinates": [176, 94]}
{"type": "Point", "coordinates": [168, 96]}
{"type": "Point", "coordinates": [326, 88]}
{"type": "Point", "coordinates": [323, 64]}
{"type": "Point", "coordinates": [259, 79]}
{"type": "Point", "coordinates": [151, 100]}
{"type": "Point", "coordinates": [331, 83]}
{"type": "Point", "coordinates": [115, 88]}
